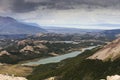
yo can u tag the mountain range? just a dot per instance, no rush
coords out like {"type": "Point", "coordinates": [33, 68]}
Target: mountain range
{"type": "Point", "coordinates": [70, 30]}
{"type": "Point", "coordinates": [10, 25]}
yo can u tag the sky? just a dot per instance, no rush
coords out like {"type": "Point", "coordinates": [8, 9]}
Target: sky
{"type": "Point", "coordinates": [85, 14]}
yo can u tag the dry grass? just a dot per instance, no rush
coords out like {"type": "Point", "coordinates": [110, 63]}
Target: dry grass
{"type": "Point", "coordinates": [17, 70]}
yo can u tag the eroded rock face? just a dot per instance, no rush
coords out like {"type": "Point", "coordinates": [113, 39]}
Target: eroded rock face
{"type": "Point", "coordinates": [108, 52]}
{"type": "Point", "coordinates": [6, 77]}
{"type": "Point", "coordinates": [21, 43]}
{"type": "Point", "coordinates": [24, 42]}
{"type": "Point", "coordinates": [4, 53]}
{"type": "Point", "coordinates": [115, 77]}
{"type": "Point", "coordinates": [27, 48]}
{"type": "Point", "coordinates": [41, 46]}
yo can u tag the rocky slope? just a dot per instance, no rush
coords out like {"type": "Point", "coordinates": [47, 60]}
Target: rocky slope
{"type": "Point", "coordinates": [109, 52]}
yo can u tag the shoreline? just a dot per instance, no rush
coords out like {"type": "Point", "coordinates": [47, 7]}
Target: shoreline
{"type": "Point", "coordinates": [36, 59]}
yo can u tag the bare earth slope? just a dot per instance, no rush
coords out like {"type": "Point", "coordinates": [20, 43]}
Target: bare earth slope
{"type": "Point", "coordinates": [108, 52]}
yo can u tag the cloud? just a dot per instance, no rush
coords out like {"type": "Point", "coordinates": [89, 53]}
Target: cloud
{"type": "Point", "coordinates": [32, 5]}
{"type": "Point", "coordinates": [75, 13]}
{"type": "Point", "coordinates": [64, 4]}
{"type": "Point", "coordinates": [5, 5]}
{"type": "Point", "coordinates": [22, 6]}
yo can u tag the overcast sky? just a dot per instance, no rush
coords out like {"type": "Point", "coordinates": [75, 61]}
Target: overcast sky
{"type": "Point", "coordinates": [101, 14]}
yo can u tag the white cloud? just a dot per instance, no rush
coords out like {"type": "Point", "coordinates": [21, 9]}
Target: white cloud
{"type": "Point", "coordinates": [72, 18]}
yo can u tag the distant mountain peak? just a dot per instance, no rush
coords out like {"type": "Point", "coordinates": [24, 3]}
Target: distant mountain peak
{"type": "Point", "coordinates": [7, 19]}
{"type": "Point", "coordinates": [109, 52]}
{"type": "Point", "coordinates": [10, 25]}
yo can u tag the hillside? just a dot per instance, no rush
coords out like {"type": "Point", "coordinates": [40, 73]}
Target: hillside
{"type": "Point", "coordinates": [9, 25]}
{"type": "Point", "coordinates": [109, 52]}
{"type": "Point", "coordinates": [62, 70]}
{"type": "Point", "coordinates": [81, 68]}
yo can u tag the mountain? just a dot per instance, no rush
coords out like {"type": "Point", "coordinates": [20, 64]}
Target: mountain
{"type": "Point", "coordinates": [70, 30]}
{"type": "Point", "coordinates": [109, 34]}
{"type": "Point", "coordinates": [109, 52]}
{"type": "Point", "coordinates": [9, 25]}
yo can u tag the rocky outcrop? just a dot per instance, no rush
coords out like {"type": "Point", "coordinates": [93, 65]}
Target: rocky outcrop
{"type": "Point", "coordinates": [6, 77]}
{"type": "Point", "coordinates": [24, 42]}
{"type": "Point", "coordinates": [27, 48]}
{"type": "Point", "coordinates": [34, 49]}
{"type": "Point", "coordinates": [52, 78]}
{"type": "Point", "coordinates": [108, 52]}
{"type": "Point", "coordinates": [4, 53]}
{"type": "Point", "coordinates": [41, 46]}
{"type": "Point", "coordinates": [53, 54]}
{"type": "Point", "coordinates": [115, 77]}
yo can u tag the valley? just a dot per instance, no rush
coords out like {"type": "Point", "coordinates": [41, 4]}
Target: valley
{"type": "Point", "coordinates": [44, 45]}
{"type": "Point", "coordinates": [45, 56]}
{"type": "Point", "coordinates": [59, 39]}
{"type": "Point", "coordinates": [54, 55]}
{"type": "Point", "coordinates": [57, 58]}
{"type": "Point", "coordinates": [17, 50]}
{"type": "Point", "coordinates": [81, 67]}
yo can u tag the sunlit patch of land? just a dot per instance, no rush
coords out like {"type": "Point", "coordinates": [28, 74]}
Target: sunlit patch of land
{"type": "Point", "coordinates": [16, 70]}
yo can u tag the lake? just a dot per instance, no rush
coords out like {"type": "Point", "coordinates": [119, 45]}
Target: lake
{"type": "Point", "coordinates": [56, 58]}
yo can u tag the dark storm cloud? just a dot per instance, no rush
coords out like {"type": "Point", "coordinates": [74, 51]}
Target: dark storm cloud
{"type": "Point", "coordinates": [31, 5]}
{"type": "Point", "coordinates": [99, 3]}
{"type": "Point", "coordinates": [26, 6]}
{"type": "Point", "coordinates": [22, 6]}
